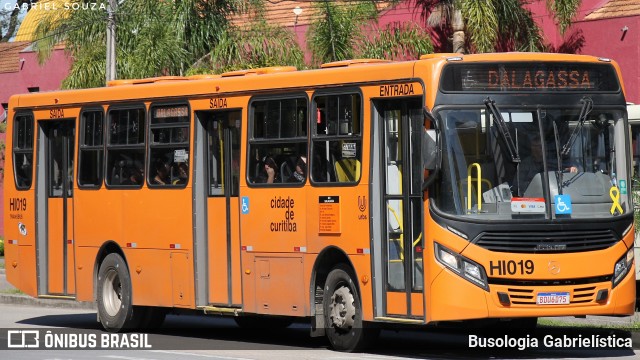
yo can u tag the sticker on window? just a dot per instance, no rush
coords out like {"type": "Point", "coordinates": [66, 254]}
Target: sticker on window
{"type": "Point", "coordinates": [348, 150]}
{"type": "Point", "coordinates": [528, 205]}
{"type": "Point", "coordinates": [180, 156]}
{"type": "Point", "coordinates": [563, 204]}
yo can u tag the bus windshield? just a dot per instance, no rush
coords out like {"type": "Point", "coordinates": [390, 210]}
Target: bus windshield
{"type": "Point", "coordinates": [534, 163]}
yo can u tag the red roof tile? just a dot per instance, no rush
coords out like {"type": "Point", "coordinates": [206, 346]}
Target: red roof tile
{"type": "Point", "coordinates": [281, 12]}
{"type": "Point", "coordinates": [616, 8]}
{"type": "Point", "coordinates": [10, 56]}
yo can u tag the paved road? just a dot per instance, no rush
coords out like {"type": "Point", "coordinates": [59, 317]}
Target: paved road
{"type": "Point", "coordinates": [191, 337]}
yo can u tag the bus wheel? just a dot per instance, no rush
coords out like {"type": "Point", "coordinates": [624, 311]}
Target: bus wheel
{"type": "Point", "coordinates": [343, 313]}
{"type": "Point", "coordinates": [114, 295]}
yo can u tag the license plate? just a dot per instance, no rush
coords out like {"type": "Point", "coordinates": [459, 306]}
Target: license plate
{"type": "Point", "coordinates": [555, 298]}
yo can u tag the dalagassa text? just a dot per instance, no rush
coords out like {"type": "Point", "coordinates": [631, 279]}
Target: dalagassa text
{"type": "Point", "coordinates": [550, 341]}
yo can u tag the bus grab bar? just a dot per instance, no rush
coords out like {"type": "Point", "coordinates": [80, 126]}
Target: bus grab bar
{"type": "Point", "coordinates": [478, 188]}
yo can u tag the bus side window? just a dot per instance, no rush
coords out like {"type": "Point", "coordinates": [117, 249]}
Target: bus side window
{"type": "Point", "coordinates": [91, 149]}
{"type": "Point", "coordinates": [169, 146]}
{"type": "Point", "coordinates": [337, 139]}
{"type": "Point", "coordinates": [125, 145]}
{"type": "Point", "coordinates": [279, 138]}
{"type": "Point", "coordinates": [23, 151]}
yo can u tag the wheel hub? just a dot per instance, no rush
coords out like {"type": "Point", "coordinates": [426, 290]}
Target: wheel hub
{"type": "Point", "coordinates": [112, 293]}
{"type": "Point", "coordinates": [342, 309]}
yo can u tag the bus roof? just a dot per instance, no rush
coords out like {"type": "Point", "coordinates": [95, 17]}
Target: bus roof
{"type": "Point", "coordinates": [359, 71]}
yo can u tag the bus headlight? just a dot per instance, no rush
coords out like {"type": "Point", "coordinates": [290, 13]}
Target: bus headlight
{"type": "Point", "coordinates": [622, 267]}
{"type": "Point", "coordinates": [464, 267]}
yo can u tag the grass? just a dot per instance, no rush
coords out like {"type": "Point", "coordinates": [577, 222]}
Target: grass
{"type": "Point", "coordinates": [635, 326]}
{"type": "Point", "coordinates": [11, 292]}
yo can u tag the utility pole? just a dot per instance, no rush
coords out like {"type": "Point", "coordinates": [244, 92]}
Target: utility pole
{"type": "Point", "coordinates": [111, 40]}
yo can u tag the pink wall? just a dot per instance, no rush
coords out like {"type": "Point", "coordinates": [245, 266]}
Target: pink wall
{"type": "Point", "coordinates": [605, 39]}
{"type": "Point", "coordinates": [47, 77]}
{"type": "Point", "coordinates": [2, 138]}
{"type": "Point", "coordinates": [602, 38]}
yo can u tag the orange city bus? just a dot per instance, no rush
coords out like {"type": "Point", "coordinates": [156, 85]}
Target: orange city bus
{"type": "Point", "coordinates": [358, 195]}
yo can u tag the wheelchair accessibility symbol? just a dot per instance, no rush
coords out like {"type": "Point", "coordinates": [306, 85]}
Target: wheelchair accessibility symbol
{"type": "Point", "coordinates": [563, 204]}
{"type": "Point", "coordinates": [245, 205]}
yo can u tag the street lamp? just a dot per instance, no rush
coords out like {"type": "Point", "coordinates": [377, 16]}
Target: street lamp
{"type": "Point", "coordinates": [297, 11]}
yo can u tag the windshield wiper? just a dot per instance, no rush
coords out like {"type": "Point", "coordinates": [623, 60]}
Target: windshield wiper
{"type": "Point", "coordinates": [587, 106]}
{"type": "Point", "coordinates": [502, 128]}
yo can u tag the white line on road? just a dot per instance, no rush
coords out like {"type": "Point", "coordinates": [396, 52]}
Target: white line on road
{"type": "Point", "coordinates": [125, 357]}
{"type": "Point", "coordinates": [182, 353]}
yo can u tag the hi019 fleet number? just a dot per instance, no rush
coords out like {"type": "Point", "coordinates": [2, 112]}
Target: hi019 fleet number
{"type": "Point", "coordinates": [511, 267]}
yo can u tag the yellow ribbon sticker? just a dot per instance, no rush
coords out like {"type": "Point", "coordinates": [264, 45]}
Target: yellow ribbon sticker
{"type": "Point", "coordinates": [614, 193]}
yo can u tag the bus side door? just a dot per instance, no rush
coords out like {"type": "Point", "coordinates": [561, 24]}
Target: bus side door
{"type": "Point", "coordinates": [55, 207]}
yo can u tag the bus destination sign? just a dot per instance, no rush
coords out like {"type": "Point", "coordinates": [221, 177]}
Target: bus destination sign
{"type": "Point", "coordinates": [169, 112]}
{"type": "Point", "coordinates": [518, 77]}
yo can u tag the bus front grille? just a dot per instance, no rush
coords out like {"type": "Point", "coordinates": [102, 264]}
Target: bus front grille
{"type": "Point", "coordinates": [547, 241]}
{"type": "Point", "coordinates": [579, 295]}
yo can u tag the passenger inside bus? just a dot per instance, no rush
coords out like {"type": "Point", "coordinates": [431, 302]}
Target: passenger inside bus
{"type": "Point", "coordinates": [182, 171]}
{"type": "Point", "coordinates": [134, 178]}
{"type": "Point", "coordinates": [162, 172]}
{"type": "Point", "coordinates": [300, 172]}
{"type": "Point", "coordinates": [271, 170]}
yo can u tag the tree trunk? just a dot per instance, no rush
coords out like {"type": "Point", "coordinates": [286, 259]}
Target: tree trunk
{"type": "Point", "coordinates": [457, 25]}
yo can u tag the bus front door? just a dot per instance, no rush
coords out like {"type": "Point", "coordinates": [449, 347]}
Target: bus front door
{"type": "Point", "coordinates": [400, 248]}
{"type": "Point", "coordinates": [55, 207]}
{"type": "Point", "coordinates": [222, 168]}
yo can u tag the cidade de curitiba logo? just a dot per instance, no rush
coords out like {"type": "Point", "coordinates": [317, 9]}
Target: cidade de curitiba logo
{"type": "Point", "coordinates": [65, 339]}
{"type": "Point", "coordinates": [56, 5]}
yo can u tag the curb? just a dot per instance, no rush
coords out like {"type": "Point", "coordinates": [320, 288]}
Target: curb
{"type": "Point", "coordinates": [15, 299]}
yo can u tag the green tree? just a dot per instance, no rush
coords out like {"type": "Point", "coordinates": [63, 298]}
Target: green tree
{"type": "Point", "coordinates": [563, 11]}
{"type": "Point", "coordinates": [490, 25]}
{"type": "Point", "coordinates": [153, 38]}
{"type": "Point", "coordinates": [396, 41]}
{"type": "Point", "coordinates": [331, 36]}
{"type": "Point", "coordinates": [259, 44]}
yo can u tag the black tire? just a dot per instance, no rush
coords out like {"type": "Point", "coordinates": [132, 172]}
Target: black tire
{"type": "Point", "coordinates": [342, 307]}
{"type": "Point", "coordinates": [115, 307]}
{"type": "Point", "coordinates": [262, 322]}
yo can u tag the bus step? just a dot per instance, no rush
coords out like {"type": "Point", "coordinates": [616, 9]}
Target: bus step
{"type": "Point", "coordinates": [57, 297]}
{"type": "Point", "coordinates": [398, 320]}
{"type": "Point", "coordinates": [219, 310]}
